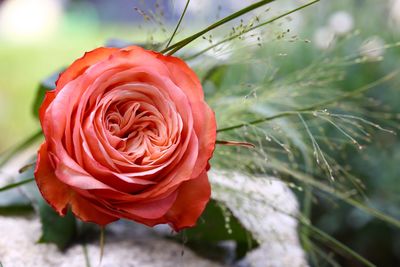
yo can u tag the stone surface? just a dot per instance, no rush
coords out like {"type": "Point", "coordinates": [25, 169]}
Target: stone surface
{"type": "Point", "coordinates": [268, 209]}
{"type": "Point", "coordinates": [124, 248]}
{"type": "Point", "coordinates": [264, 205]}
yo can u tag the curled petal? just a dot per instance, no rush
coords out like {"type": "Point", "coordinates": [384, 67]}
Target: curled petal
{"type": "Point", "coordinates": [81, 64]}
{"type": "Point", "coordinates": [56, 193]}
{"type": "Point", "coordinates": [193, 196]}
{"type": "Point", "coordinates": [149, 209]}
{"type": "Point", "coordinates": [89, 212]}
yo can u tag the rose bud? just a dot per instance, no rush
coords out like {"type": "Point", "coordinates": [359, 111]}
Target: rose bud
{"type": "Point", "coordinates": [127, 135]}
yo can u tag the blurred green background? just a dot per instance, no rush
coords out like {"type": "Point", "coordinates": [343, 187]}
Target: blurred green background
{"type": "Point", "coordinates": [40, 38]}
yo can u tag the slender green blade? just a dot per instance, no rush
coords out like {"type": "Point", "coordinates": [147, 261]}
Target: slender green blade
{"type": "Point", "coordinates": [14, 185]}
{"type": "Point", "coordinates": [102, 243]}
{"type": "Point", "coordinates": [86, 254]}
{"type": "Point", "coordinates": [319, 234]}
{"type": "Point", "coordinates": [303, 177]}
{"type": "Point", "coordinates": [177, 46]}
{"type": "Point", "coordinates": [179, 23]}
{"type": "Point", "coordinates": [250, 29]}
{"type": "Point", "coordinates": [322, 104]}
{"type": "Point", "coordinates": [21, 146]}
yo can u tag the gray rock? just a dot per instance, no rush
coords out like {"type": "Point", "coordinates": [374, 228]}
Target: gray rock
{"type": "Point", "coordinates": [268, 209]}
{"type": "Point", "coordinates": [18, 248]}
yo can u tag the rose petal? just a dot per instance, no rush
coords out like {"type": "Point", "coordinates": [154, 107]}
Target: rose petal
{"type": "Point", "coordinates": [193, 196]}
{"type": "Point", "coordinates": [149, 209]}
{"type": "Point", "coordinates": [88, 212]}
{"type": "Point", "coordinates": [207, 131]}
{"type": "Point", "coordinates": [56, 193]}
{"type": "Point", "coordinates": [129, 135]}
{"type": "Point", "coordinates": [48, 98]}
{"type": "Point", "coordinates": [203, 117]}
{"type": "Point", "coordinates": [81, 64]}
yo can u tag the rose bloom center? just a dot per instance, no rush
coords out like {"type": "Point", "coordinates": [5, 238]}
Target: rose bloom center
{"type": "Point", "coordinates": [140, 123]}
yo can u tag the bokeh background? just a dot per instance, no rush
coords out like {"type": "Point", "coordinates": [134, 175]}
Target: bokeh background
{"type": "Point", "coordinates": [38, 37]}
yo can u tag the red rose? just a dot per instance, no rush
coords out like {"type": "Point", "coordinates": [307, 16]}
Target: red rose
{"type": "Point", "coordinates": [127, 135]}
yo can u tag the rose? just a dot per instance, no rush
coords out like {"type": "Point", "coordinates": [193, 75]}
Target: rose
{"type": "Point", "coordinates": [127, 135]}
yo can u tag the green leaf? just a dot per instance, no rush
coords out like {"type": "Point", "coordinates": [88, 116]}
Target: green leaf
{"type": "Point", "coordinates": [212, 79]}
{"type": "Point", "coordinates": [46, 85]}
{"type": "Point", "coordinates": [213, 227]}
{"type": "Point", "coordinates": [215, 74]}
{"type": "Point", "coordinates": [15, 210]}
{"type": "Point", "coordinates": [56, 229]}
